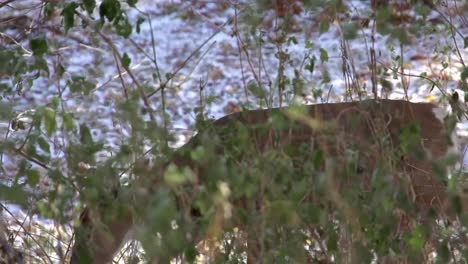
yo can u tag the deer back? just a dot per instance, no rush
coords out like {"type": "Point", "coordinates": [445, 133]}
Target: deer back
{"type": "Point", "coordinates": [395, 139]}
{"type": "Point", "coordinates": [405, 138]}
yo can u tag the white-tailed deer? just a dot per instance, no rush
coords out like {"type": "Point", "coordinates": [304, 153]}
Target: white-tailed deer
{"type": "Point", "coordinates": [350, 145]}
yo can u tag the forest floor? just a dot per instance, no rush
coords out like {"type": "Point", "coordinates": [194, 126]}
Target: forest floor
{"type": "Point", "coordinates": [197, 42]}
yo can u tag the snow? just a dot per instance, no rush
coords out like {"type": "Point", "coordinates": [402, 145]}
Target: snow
{"type": "Point", "coordinates": [217, 62]}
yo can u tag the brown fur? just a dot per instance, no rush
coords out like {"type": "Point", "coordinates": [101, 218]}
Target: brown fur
{"type": "Point", "coordinates": [372, 127]}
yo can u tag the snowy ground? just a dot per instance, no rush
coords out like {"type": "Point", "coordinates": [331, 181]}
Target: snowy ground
{"type": "Point", "coordinates": [207, 39]}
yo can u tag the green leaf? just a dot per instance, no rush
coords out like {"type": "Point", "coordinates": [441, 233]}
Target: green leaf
{"type": "Point", "coordinates": [191, 253]}
{"type": "Point", "coordinates": [386, 84]}
{"type": "Point", "coordinates": [464, 74]}
{"type": "Point", "coordinates": [140, 21]}
{"type": "Point", "coordinates": [68, 14]}
{"type": "Point", "coordinates": [464, 86]}
{"type": "Point", "coordinates": [38, 46]}
{"type": "Point", "coordinates": [5, 89]}
{"type": "Point", "coordinates": [457, 204]}
{"type": "Point", "coordinates": [132, 3]}
{"type": "Point", "coordinates": [332, 243]}
{"type": "Point", "coordinates": [89, 5]}
{"type": "Point", "coordinates": [50, 122]}
{"type": "Point", "coordinates": [350, 30]}
{"type": "Point", "coordinates": [318, 158]}
{"type": "Point", "coordinates": [311, 65]}
{"type": "Point", "coordinates": [43, 144]}
{"type": "Point", "coordinates": [68, 123]}
{"type": "Point", "coordinates": [401, 34]}
{"type": "Point", "coordinates": [12, 63]}
{"type": "Point", "coordinates": [176, 176]}
{"type": "Point", "coordinates": [41, 64]}
{"type": "Point", "coordinates": [409, 137]}
{"type": "Point", "coordinates": [33, 177]}
{"type": "Point", "coordinates": [257, 90]}
{"type": "Point", "coordinates": [55, 102]}
{"type": "Point", "coordinates": [326, 77]}
{"type": "Point", "coordinates": [109, 9]}
{"type": "Point", "coordinates": [126, 60]}
{"type": "Point", "coordinates": [416, 239]}
{"type": "Point", "coordinates": [14, 194]}
{"type": "Point", "coordinates": [37, 117]}
{"type": "Point", "coordinates": [292, 40]}
{"type": "Point", "coordinates": [6, 110]}
{"type": "Point", "coordinates": [123, 27]}
{"type": "Point", "coordinates": [80, 84]}
{"type": "Point", "coordinates": [49, 10]}
{"type": "Point", "coordinates": [85, 135]}
{"type": "Point", "coordinates": [56, 175]}
{"type": "Point", "coordinates": [443, 252]}
{"type": "Point", "coordinates": [323, 55]}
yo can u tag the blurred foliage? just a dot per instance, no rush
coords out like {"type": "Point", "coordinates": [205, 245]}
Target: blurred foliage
{"type": "Point", "coordinates": [279, 197]}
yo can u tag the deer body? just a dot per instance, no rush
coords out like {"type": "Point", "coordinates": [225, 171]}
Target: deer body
{"type": "Point", "coordinates": [380, 132]}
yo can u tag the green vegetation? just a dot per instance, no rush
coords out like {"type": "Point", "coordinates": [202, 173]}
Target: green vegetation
{"type": "Point", "coordinates": [90, 106]}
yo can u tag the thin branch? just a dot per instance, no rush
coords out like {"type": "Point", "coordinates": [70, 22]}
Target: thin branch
{"type": "Point", "coordinates": [183, 64]}
{"type": "Point", "coordinates": [6, 3]}
{"type": "Point", "coordinates": [44, 253]}
{"type": "Point", "coordinates": [153, 42]}
{"type": "Point", "coordinates": [145, 98]}
{"type": "Point", "coordinates": [31, 159]}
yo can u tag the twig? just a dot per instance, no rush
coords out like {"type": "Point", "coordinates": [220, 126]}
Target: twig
{"type": "Point", "coordinates": [32, 237]}
{"type": "Point", "coordinates": [124, 86]}
{"type": "Point", "coordinates": [6, 3]}
{"type": "Point", "coordinates": [435, 84]}
{"type": "Point", "coordinates": [7, 249]}
{"type": "Point", "coordinates": [32, 159]}
{"type": "Point", "coordinates": [155, 60]}
{"type": "Point", "coordinates": [145, 98]}
{"type": "Point", "coordinates": [240, 55]}
{"type": "Point", "coordinates": [183, 64]}
{"type": "Point", "coordinates": [404, 84]}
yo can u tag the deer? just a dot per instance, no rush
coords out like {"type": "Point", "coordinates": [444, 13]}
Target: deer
{"type": "Point", "coordinates": [394, 139]}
